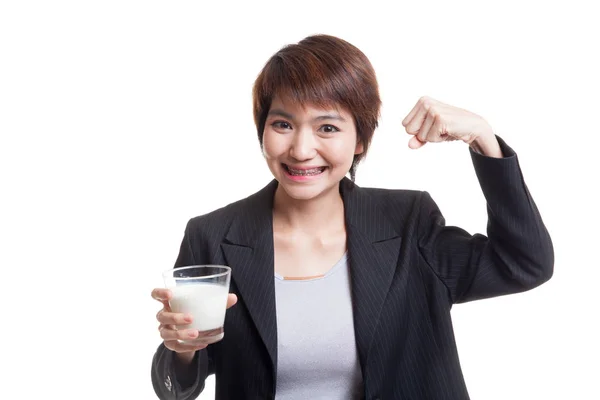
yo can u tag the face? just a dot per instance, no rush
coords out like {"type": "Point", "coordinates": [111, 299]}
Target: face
{"type": "Point", "coordinates": [309, 150]}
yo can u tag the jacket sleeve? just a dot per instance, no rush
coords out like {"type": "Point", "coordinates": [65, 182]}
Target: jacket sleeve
{"type": "Point", "coordinates": [168, 385]}
{"type": "Point", "coordinates": [169, 382]}
{"type": "Point", "coordinates": [517, 253]}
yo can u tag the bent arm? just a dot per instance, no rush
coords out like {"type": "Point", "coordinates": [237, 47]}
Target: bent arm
{"type": "Point", "coordinates": [517, 253]}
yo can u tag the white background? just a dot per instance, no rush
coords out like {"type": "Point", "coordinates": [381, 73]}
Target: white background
{"type": "Point", "coordinates": [120, 120]}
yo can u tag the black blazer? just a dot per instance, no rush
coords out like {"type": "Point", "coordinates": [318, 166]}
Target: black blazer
{"type": "Point", "coordinates": [407, 270]}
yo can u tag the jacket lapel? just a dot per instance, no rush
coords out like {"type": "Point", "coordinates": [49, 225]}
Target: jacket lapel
{"type": "Point", "coordinates": [373, 248]}
{"type": "Point", "coordinates": [248, 249]}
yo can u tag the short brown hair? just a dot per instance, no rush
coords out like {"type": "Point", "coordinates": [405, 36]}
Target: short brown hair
{"type": "Point", "coordinates": [323, 70]}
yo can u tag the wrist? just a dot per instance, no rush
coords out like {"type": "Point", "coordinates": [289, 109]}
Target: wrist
{"type": "Point", "coordinates": [487, 144]}
{"type": "Point", "coordinates": [185, 367]}
{"type": "Point", "coordinates": [184, 359]}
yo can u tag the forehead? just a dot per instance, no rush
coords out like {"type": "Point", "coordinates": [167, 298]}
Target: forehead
{"type": "Point", "coordinates": [307, 107]}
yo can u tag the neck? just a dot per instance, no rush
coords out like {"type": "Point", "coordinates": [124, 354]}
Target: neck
{"type": "Point", "coordinates": [309, 216]}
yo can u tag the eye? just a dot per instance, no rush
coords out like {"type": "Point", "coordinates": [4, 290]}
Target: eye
{"type": "Point", "coordinates": [281, 125]}
{"type": "Point", "coordinates": [329, 129]}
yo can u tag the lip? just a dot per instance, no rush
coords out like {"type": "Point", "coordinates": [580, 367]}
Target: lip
{"type": "Point", "coordinates": [301, 178]}
{"type": "Point", "coordinates": [303, 167]}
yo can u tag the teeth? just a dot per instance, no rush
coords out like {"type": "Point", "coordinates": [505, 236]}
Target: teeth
{"type": "Point", "coordinates": [305, 172]}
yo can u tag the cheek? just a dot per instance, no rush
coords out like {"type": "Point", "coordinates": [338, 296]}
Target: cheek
{"type": "Point", "coordinates": [343, 152]}
{"type": "Point", "coordinates": [271, 147]}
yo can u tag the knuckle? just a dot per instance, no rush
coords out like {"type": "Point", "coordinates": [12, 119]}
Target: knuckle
{"type": "Point", "coordinates": [167, 318]}
{"type": "Point", "coordinates": [425, 101]}
{"type": "Point", "coordinates": [164, 317]}
{"type": "Point", "coordinates": [172, 345]}
{"type": "Point", "coordinates": [157, 294]}
{"type": "Point", "coordinates": [164, 333]}
{"type": "Point", "coordinates": [182, 334]}
{"type": "Point", "coordinates": [170, 333]}
{"type": "Point", "coordinates": [413, 128]}
{"type": "Point", "coordinates": [179, 319]}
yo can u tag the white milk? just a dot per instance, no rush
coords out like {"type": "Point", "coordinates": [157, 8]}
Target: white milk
{"type": "Point", "coordinates": [204, 301]}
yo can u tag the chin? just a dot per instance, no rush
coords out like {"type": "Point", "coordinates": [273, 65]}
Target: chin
{"type": "Point", "coordinates": [307, 192]}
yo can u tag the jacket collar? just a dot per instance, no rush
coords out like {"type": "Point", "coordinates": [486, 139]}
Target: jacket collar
{"type": "Point", "coordinates": [362, 211]}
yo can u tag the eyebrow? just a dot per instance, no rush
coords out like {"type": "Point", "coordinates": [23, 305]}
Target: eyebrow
{"type": "Point", "coordinates": [281, 113]}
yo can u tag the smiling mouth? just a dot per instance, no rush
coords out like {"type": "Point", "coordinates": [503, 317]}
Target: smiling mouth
{"type": "Point", "coordinates": [303, 172]}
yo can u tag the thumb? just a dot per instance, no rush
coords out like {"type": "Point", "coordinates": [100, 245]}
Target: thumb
{"type": "Point", "coordinates": [415, 143]}
{"type": "Point", "coordinates": [231, 300]}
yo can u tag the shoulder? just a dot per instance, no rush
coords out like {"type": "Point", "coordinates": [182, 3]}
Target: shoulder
{"type": "Point", "coordinates": [406, 210]}
{"type": "Point", "coordinates": [217, 222]}
{"type": "Point", "coordinates": [401, 206]}
{"type": "Point", "coordinates": [394, 199]}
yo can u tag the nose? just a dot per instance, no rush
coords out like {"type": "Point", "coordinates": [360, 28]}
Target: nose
{"type": "Point", "coordinates": [304, 145]}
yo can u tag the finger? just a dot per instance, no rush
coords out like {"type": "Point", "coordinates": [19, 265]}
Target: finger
{"type": "Point", "coordinates": [421, 104]}
{"type": "Point", "coordinates": [438, 132]}
{"type": "Point", "coordinates": [162, 294]}
{"type": "Point", "coordinates": [165, 326]}
{"type": "Point", "coordinates": [182, 334]}
{"type": "Point", "coordinates": [166, 307]}
{"type": "Point", "coordinates": [411, 114]}
{"type": "Point", "coordinates": [424, 131]}
{"type": "Point", "coordinates": [414, 125]}
{"type": "Point", "coordinates": [183, 347]}
{"type": "Point", "coordinates": [171, 318]}
{"type": "Point", "coordinates": [415, 143]}
{"type": "Point", "coordinates": [231, 300]}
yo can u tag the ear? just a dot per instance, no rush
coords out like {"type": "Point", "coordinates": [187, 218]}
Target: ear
{"type": "Point", "coordinates": [359, 148]}
{"type": "Point", "coordinates": [262, 150]}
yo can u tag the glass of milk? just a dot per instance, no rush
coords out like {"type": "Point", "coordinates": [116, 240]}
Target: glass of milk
{"type": "Point", "coordinates": [200, 290]}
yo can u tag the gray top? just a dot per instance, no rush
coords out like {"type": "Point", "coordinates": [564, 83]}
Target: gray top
{"type": "Point", "coordinates": [316, 357]}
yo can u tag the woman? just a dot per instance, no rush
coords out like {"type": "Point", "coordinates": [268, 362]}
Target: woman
{"type": "Point", "coordinates": [345, 292]}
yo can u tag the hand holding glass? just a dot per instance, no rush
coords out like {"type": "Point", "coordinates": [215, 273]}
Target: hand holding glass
{"type": "Point", "coordinates": [200, 291]}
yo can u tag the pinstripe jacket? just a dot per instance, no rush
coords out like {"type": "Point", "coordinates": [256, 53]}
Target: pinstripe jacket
{"type": "Point", "coordinates": [407, 269]}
